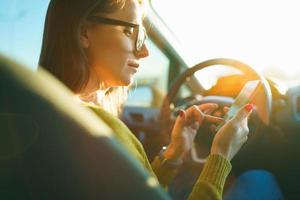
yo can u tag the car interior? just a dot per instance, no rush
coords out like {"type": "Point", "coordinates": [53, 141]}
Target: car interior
{"type": "Point", "coordinates": [39, 157]}
{"type": "Point", "coordinates": [50, 150]}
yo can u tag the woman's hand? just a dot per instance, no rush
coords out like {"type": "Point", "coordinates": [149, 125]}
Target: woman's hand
{"type": "Point", "coordinates": [185, 129]}
{"type": "Point", "coordinates": [230, 138]}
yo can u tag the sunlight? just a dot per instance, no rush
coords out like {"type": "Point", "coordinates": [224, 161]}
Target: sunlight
{"type": "Point", "coordinates": [263, 34]}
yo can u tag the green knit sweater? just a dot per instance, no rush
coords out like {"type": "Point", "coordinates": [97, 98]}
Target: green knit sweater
{"type": "Point", "coordinates": [210, 182]}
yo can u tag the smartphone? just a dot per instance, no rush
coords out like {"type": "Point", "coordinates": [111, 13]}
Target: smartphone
{"type": "Point", "coordinates": [245, 96]}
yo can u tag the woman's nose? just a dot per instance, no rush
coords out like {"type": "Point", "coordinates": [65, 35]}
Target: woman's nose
{"type": "Point", "coordinates": [144, 52]}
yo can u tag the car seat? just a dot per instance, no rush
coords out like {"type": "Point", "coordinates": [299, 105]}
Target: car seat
{"type": "Point", "coordinates": [53, 148]}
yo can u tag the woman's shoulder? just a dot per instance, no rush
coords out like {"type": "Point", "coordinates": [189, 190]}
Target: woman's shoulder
{"type": "Point", "coordinates": [120, 129]}
{"type": "Point", "coordinates": [106, 116]}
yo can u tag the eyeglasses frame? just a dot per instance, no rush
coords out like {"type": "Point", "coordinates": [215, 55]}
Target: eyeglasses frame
{"type": "Point", "coordinates": [98, 19]}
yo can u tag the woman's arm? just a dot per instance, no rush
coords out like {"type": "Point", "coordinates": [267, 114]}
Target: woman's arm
{"type": "Point", "coordinates": [227, 142]}
{"type": "Point", "coordinates": [212, 179]}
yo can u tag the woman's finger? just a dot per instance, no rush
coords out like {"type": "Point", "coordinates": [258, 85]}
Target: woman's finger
{"type": "Point", "coordinates": [213, 119]}
{"type": "Point", "coordinates": [207, 106]}
{"type": "Point", "coordinates": [179, 123]}
{"type": "Point", "coordinates": [209, 111]}
{"type": "Point", "coordinates": [242, 114]}
{"type": "Point", "coordinates": [225, 109]}
{"type": "Point", "coordinates": [194, 114]}
{"type": "Point", "coordinates": [218, 113]}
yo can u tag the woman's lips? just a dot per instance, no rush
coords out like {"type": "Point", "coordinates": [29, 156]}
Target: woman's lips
{"type": "Point", "coordinates": [133, 63]}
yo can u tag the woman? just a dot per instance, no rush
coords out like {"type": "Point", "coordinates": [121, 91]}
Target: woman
{"type": "Point", "coordinates": [93, 46]}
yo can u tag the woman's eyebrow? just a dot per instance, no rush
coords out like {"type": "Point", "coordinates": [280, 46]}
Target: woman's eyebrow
{"type": "Point", "coordinates": [98, 19]}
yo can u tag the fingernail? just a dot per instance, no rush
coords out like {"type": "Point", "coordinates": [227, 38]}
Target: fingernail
{"type": "Point", "coordinates": [181, 113]}
{"type": "Point", "coordinates": [249, 107]}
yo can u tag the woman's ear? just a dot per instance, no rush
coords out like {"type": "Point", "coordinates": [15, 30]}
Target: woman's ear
{"type": "Point", "coordinates": [84, 36]}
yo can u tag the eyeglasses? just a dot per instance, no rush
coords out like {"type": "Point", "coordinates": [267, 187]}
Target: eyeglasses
{"type": "Point", "coordinates": [141, 33]}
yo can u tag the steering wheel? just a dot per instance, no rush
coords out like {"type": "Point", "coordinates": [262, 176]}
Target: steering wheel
{"type": "Point", "coordinates": [166, 117]}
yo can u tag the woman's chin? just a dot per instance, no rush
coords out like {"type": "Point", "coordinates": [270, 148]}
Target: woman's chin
{"type": "Point", "coordinates": [128, 82]}
{"type": "Point", "coordinates": [125, 82]}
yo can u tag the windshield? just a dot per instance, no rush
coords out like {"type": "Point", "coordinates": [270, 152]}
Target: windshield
{"type": "Point", "coordinates": [261, 33]}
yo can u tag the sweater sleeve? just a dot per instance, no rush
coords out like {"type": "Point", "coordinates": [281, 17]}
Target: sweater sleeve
{"type": "Point", "coordinates": [210, 183]}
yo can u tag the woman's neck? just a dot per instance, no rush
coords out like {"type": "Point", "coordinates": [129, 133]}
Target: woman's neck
{"type": "Point", "coordinates": [93, 91]}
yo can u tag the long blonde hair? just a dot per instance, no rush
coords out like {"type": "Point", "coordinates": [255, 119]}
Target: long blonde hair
{"type": "Point", "coordinates": [114, 100]}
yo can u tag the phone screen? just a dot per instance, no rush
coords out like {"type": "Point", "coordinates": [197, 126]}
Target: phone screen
{"type": "Point", "coordinates": [245, 96]}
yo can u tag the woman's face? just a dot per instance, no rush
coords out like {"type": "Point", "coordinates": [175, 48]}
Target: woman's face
{"type": "Point", "coordinates": [111, 48]}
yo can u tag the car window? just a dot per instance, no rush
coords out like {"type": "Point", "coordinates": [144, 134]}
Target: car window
{"type": "Point", "coordinates": [23, 44]}
{"type": "Point", "coordinates": [21, 25]}
{"type": "Point", "coordinates": [263, 34]}
{"type": "Point", "coordinates": [150, 85]}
